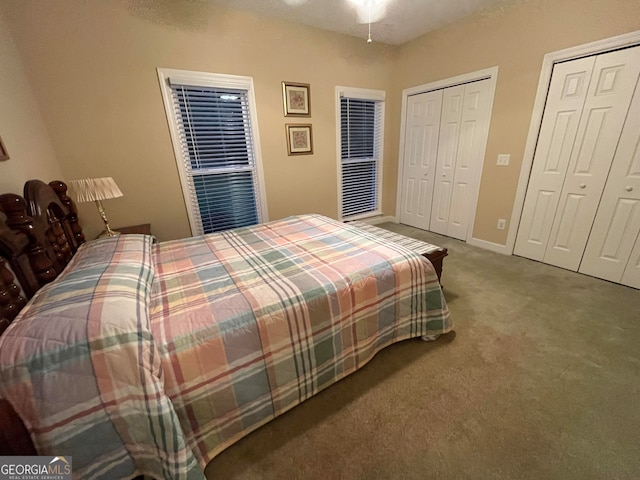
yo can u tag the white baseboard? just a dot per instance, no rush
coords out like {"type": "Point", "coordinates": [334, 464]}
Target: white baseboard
{"type": "Point", "coordinates": [494, 247]}
{"type": "Point", "coordinates": [476, 242]}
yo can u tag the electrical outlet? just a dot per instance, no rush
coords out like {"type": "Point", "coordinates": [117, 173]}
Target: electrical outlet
{"type": "Point", "coordinates": [503, 159]}
{"type": "Point", "coordinates": [502, 223]}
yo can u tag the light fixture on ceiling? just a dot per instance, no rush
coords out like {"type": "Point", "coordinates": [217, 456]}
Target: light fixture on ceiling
{"type": "Point", "coordinates": [369, 38]}
{"type": "Point", "coordinates": [369, 11]}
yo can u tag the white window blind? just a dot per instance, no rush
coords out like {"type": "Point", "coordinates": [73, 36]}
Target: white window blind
{"type": "Point", "coordinates": [214, 135]}
{"type": "Point", "coordinates": [361, 127]}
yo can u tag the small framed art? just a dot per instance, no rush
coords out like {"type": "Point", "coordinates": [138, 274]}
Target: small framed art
{"type": "Point", "coordinates": [4, 155]}
{"type": "Point", "coordinates": [299, 141]}
{"type": "Point", "coordinates": [297, 99]}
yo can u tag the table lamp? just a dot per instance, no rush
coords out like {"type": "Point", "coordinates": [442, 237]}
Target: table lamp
{"type": "Point", "coordinates": [96, 190]}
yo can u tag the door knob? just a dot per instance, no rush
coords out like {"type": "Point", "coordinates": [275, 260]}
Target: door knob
{"type": "Point", "coordinates": [583, 185]}
{"type": "Point", "coordinates": [628, 188]}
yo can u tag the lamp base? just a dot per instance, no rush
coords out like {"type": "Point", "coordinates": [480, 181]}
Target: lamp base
{"type": "Point", "coordinates": [108, 233]}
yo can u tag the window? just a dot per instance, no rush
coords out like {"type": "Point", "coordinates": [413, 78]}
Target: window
{"type": "Point", "coordinates": [360, 133]}
{"type": "Point", "coordinates": [215, 139]}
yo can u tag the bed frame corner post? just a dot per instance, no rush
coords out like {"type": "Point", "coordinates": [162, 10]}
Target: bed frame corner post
{"type": "Point", "coordinates": [60, 188]}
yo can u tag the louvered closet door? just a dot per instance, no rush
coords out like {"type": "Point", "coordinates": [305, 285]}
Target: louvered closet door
{"type": "Point", "coordinates": [617, 223]}
{"type": "Point", "coordinates": [422, 129]}
{"type": "Point", "coordinates": [457, 171]}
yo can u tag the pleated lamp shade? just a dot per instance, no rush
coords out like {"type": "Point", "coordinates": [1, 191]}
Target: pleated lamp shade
{"type": "Point", "coordinates": [93, 189]}
{"type": "Point", "coordinates": [96, 190]}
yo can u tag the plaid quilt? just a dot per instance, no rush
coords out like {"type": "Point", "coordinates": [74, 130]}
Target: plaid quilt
{"type": "Point", "coordinates": [80, 367]}
{"type": "Point", "coordinates": [151, 359]}
{"type": "Point", "coordinates": [253, 321]}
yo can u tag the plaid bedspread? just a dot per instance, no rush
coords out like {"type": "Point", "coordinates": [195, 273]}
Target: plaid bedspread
{"type": "Point", "coordinates": [252, 322]}
{"type": "Point", "coordinates": [151, 359]}
{"type": "Point", "coordinates": [80, 367]}
{"type": "Point", "coordinates": [418, 246]}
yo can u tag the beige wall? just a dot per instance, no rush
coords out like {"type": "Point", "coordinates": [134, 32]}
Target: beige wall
{"type": "Point", "coordinates": [21, 126]}
{"type": "Point", "coordinates": [514, 36]}
{"type": "Point", "coordinates": [93, 66]}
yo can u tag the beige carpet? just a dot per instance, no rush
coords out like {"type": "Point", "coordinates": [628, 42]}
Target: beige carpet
{"type": "Point", "coordinates": [541, 380]}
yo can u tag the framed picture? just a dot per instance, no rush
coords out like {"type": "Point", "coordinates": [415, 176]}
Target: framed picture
{"type": "Point", "coordinates": [299, 140]}
{"type": "Point", "coordinates": [297, 101]}
{"type": "Point", "coordinates": [4, 155]}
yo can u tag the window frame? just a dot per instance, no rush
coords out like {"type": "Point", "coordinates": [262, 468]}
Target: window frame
{"type": "Point", "coordinates": [378, 96]}
{"type": "Point", "coordinates": [213, 80]}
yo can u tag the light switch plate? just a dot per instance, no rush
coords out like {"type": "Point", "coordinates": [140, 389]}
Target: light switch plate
{"type": "Point", "coordinates": [503, 159]}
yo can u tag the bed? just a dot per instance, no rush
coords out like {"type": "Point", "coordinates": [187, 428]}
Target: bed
{"type": "Point", "coordinates": [142, 358]}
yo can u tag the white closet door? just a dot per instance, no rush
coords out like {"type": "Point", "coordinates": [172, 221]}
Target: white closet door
{"type": "Point", "coordinates": [613, 81]}
{"type": "Point", "coordinates": [565, 100]}
{"type": "Point", "coordinates": [420, 153]}
{"type": "Point", "coordinates": [452, 101]}
{"type": "Point", "coordinates": [471, 149]}
{"type": "Point", "coordinates": [631, 275]}
{"type": "Point", "coordinates": [463, 136]}
{"type": "Point", "coordinates": [617, 223]}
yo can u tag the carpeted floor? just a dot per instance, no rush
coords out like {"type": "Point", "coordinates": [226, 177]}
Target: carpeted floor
{"type": "Point", "coordinates": [540, 380]}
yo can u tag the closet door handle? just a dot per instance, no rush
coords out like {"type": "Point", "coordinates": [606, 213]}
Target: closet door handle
{"type": "Point", "coordinates": [628, 188]}
{"type": "Point", "coordinates": [583, 185]}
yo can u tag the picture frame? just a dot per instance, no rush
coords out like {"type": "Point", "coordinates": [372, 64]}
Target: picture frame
{"type": "Point", "coordinates": [297, 99]}
{"type": "Point", "coordinates": [4, 155]}
{"type": "Point", "coordinates": [299, 139]}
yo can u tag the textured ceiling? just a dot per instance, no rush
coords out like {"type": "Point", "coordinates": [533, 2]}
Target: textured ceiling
{"type": "Point", "coordinates": [392, 21]}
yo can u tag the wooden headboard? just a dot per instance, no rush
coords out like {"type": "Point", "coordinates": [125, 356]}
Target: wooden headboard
{"type": "Point", "coordinates": [39, 233]}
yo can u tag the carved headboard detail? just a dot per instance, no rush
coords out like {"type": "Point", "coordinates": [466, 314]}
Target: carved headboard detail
{"type": "Point", "coordinates": [75, 232]}
{"type": "Point", "coordinates": [11, 299]}
{"type": "Point", "coordinates": [39, 269]}
{"type": "Point", "coordinates": [38, 237]}
{"type": "Point", "coordinates": [51, 207]}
